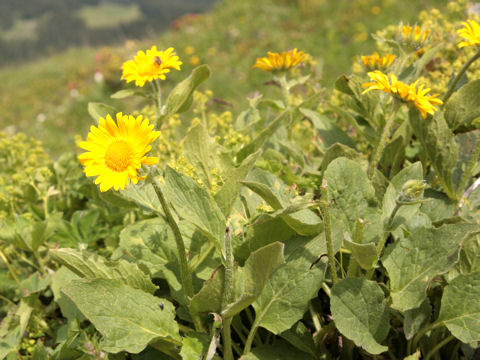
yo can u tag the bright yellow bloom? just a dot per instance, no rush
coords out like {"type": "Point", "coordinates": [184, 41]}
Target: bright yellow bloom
{"type": "Point", "coordinates": [284, 61]}
{"type": "Point", "coordinates": [376, 61]}
{"type": "Point", "coordinates": [151, 65]}
{"type": "Point", "coordinates": [415, 33]}
{"type": "Point", "coordinates": [116, 151]}
{"type": "Point", "coordinates": [471, 32]}
{"type": "Point", "coordinates": [412, 94]}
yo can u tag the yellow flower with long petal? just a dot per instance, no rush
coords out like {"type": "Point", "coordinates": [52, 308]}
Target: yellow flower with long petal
{"type": "Point", "coordinates": [375, 61]}
{"type": "Point", "coordinates": [150, 65]}
{"type": "Point", "coordinates": [116, 151]}
{"type": "Point", "coordinates": [471, 32]}
{"type": "Point", "coordinates": [278, 62]}
{"type": "Point", "coordinates": [411, 94]}
{"type": "Point", "coordinates": [412, 38]}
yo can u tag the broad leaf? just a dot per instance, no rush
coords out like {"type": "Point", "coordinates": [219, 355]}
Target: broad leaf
{"type": "Point", "coordinates": [285, 297]}
{"type": "Point", "coordinates": [414, 261]}
{"type": "Point", "coordinates": [99, 110]}
{"type": "Point", "coordinates": [128, 318]}
{"type": "Point", "coordinates": [417, 318]}
{"type": "Point", "coordinates": [464, 106]}
{"type": "Point", "coordinates": [281, 350]}
{"type": "Point", "coordinates": [365, 254]}
{"type": "Point", "coordinates": [144, 196]}
{"type": "Point", "coordinates": [182, 92]}
{"type": "Point", "coordinates": [93, 266]}
{"type": "Point", "coordinates": [254, 275]}
{"type": "Point", "coordinates": [195, 346]}
{"type": "Point", "coordinates": [469, 260]}
{"type": "Point", "coordinates": [209, 298]}
{"type": "Point", "coordinates": [360, 312]}
{"type": "Point", "coordinates": [460, 309]}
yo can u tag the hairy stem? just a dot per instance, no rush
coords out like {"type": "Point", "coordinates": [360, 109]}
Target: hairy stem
{"type": "Point", "coordinates": [228, 295]}
{"type": "Point", "coordinates": [328, 230]}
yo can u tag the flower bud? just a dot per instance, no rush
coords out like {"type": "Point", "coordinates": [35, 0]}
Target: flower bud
{"type": "Point", "coordinates": [412, 190]}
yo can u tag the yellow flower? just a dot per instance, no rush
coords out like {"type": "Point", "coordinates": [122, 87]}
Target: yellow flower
{"type": "Point", "coordinates": [411, 94]}
{"type": "Point", "coordinates": [189, 50]}
{"type": "Point", "coordinates": [116, 151]}
{"type": "Point", "coordinates": [284, 61]}
{"type": "Point", "coordinates": [151, 65]}
{"type": "Point", "coordinates": [412, 38]}
{"type": "Point", "coordinates": [471, 32]}
{"type": "Point", "coordinates": [194, 60]}
{"type": "Point", "coordinates": [376, 61]}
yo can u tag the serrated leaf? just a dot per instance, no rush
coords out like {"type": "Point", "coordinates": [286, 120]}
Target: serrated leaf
{"type": "Point", "coordinates": [285, 297]}
{"type": "Point", "coordinates": [194, 204]}
{"type": "Point", "coordinates": [414, 261]}
{"type": "Point", "coordinates": [253, 277]}
{"type": "Point", "coordinates": [92, 266]}
{"type": "Point", "coordinates": [352, 196]}
{"type": "Point", "coordinates": [281, 350]}
{"type": "Point", "coordinates": [460, 309]}
{"type": "Point", "coordinates": [182, 92]}
{"type": "Point", "coordinates": [128, 318]}
{"type": "Point", "coordinates": [99, 110]}
{"type": "Point", "coordinates": [464, 106]}
{"type": "Point", "coordinates": [360, 312]}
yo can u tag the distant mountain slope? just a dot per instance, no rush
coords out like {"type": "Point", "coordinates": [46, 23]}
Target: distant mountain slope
{"type": "Point", "coordinates": [33, 28]}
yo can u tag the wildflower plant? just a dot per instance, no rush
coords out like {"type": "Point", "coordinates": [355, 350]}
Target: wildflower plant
{"type": "Point", "coordinates": [303, 226]}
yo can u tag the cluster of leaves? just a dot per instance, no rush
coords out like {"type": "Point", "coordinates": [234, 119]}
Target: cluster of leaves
{"type": "Point", "coordinates": [292, 249]}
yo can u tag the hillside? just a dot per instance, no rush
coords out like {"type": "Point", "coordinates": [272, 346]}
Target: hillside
{"type": "Point", "coordinates": [50, 96]}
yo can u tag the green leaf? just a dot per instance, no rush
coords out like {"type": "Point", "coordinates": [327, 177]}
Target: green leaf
{"type": "Point", "coordinates": [209, 298]}
{"type": "Point", "coordinates": [469, 260]}
{"type": "Point", "coordinates": [460, 309]}
{"type": "Point", "coordinates": [438, 141]}
{"type": "Point", "coordinates": [253, 277]}
{"type": "Point", "coordinates": [195, 346]}
{"type": "Point", "coordinates": [12, 327]}
{"type": "Point", "coordinates": [364, 254]}
{"type": "Point", "coordinates": [464, 106]}
{"type": "Point", "coordinates": [62, 277]}
{"type": "Point", "coordinates": [281, 350]}
{"type": "Point", "coordinates": [360, 312]}
{"type": "Point", "coordinates": [92, 266]}
{"type": "Point", "coordinates": [414, 261]}
{"type": "Point", "coordinates": [128, 318]}
{"type": "Point", "coordinates": [100, 110]}
{"type": "Point", "coordinates": [351, 197]}
{"type": "Point", "coordinates": [122, 94]}
{"type": "Point", "coordinates": [417, 318]}
{"type": "Point", "coordinates": [437, 206]}
{"type": "Point", "coordinates": [194, 204]}
{"type": "Point", "coordinates": [274, 192]}
{"type": "Point", "coordinates": [181, 93]}
{"type": "Point", "coordinates": [143, 195]}
{"type": "Point", "coordinates": [328, 131]}
{"type": "Point", "coordinates": [300, 337]}
{"type": "Point", "coordinates": [406, 212]}
{"type": "Point", "coordinates": [338, 150]}
{"type": "Point", "coordinates": [288, 291]}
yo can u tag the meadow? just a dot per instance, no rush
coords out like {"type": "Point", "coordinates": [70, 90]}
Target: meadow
{"type": "Point", "coordinates": [269, 180]}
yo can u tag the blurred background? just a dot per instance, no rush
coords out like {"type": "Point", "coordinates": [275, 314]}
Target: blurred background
{"type": "Point", "coordinates": [58, 55]}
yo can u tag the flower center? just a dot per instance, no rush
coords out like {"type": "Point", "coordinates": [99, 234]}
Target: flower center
{"type": "Point", "coordinates": [118, 156]}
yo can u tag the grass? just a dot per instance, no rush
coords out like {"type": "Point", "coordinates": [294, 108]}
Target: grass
{"type": "Point", "coordinates": [228, 39]}
{"type": "Point", "coordinates": [21, 30]}
{"type": "Point", "coordinates": [109, 14]}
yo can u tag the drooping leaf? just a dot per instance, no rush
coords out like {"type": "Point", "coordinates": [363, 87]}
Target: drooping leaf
{"type": "Point", "coordinates": [195, 346]}
{"type": "Point", "coordinates": [416, 318]}
{"type": "Point", "coordinates": [300, 337]}
{"type": "Point", "coordinates": [128, 318]}
{"type": "Point", "coordinates": [460, 308]}
{"type": "Point", "coordinates": [144, 196]}
{"type": "Point", "coordinates": [360, 312]}
{"type": "Point", "coordinates": [99, 110]}
{"type": "Point", "coordinates": [209, 298]}
{"type": "Point", "coordinates": [182, 92]}
{"type": "Point", "coordinates": [62, 277]}
{"type": "Point", "coordinates": [253, 277]}
{"type": "Point", "coordinates": [414, 261]}
{"type": "Point", "coordinates": [92, 266]}
{"type": "Point", "coordinates": [364, 254]}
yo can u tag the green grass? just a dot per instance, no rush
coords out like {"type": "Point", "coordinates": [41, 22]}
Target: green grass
{"type": "Point", "coordinates": [21, 30]}
{"type": "Point", "coordinates": [109, 15]}
{"type": "Point", "coordinates": [228, 39]}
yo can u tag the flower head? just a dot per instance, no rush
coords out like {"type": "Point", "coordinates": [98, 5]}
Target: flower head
{"type": "Point", "coordinates": [150, 65]}
{"type": "Point", "coordinates": [375, 61]}
{"type": "Point", "coordinates": [278, 62]}
{"type": "Point", "coordinates": [412, 94]}
{"type": "Point", "coordinates": [116, 151]}
{"type": "Point", "coordinates": [412, 38]}
{"type": "Point", "coordinates": [471, 32]}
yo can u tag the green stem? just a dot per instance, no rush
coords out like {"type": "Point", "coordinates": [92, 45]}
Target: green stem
{"type": "Point", "coordinates": [422, 332]}
{"type": "Point", "coordinates": [251, 336]}
{"type": "Point", "coordinates": [353, 267]}
{"type": "Point", "coordinates": [328, 230]}
{"type": "Point", "coordinates": [182, 255]}
{"type": "Point", "coordinates": [285, 91]}
{"type": "Point", "coordinates": [439, 346]}
{"type": "Point", "coordinates": [315, 317]}
{"type": "Point", "coordinates": [228, 296]}
{"type": "Point", "coordinates": [468, 172]}
{"type": "Point", "coordinates": [326, 289]}
{"type": "Point", "coordinates": [462, 71]}
{"type": "Point", "coordinates": [10, 269]}
{"type": "Point", "coordinates": [383, 140]}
